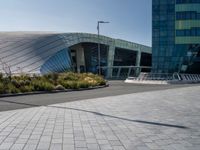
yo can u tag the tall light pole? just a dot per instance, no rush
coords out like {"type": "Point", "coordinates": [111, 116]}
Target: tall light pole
{"type": "Point", "coordinates": [99, 53]}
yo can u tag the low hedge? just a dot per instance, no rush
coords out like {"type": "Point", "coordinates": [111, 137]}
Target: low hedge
{"type": "Point", "coordinates": [49, 82]}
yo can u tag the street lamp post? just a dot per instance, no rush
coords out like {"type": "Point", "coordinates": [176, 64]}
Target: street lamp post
{"type": "Point", "coordinates": [99, 53]}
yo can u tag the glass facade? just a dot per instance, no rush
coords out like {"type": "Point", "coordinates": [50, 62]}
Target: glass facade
{"type": "Point", "coordinates": [124, 57]}
{"type": "Point", "coordinates": [176, 35]}
{"type": "Point", "coordinates": [91, 56]}
{"type": "Point", "coordinates": [60, 62]}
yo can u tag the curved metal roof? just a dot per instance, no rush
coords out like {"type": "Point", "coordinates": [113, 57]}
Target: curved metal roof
{"type": "Point", "coordinates": [29, 50]}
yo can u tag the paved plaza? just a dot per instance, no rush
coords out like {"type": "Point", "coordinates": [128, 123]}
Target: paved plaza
{"type": "Point", "coordinates": [167, 119]}
{"type": "Point", "coordinates": [115, 88]}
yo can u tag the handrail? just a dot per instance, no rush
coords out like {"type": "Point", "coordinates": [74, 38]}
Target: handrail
{"type": "Point", "coordinates": [167, 76]}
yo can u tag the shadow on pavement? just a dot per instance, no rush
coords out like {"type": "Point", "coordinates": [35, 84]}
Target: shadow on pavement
{"type": "Point", "coordinates": [19, 103]}
{"type": "Point", "coordinates": [138, 121]}
{"type": "Point", "coordinates": [101, 114]}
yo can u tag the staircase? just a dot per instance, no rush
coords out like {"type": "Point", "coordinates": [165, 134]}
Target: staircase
{"type": "Point", "coordinates": [164, 78]}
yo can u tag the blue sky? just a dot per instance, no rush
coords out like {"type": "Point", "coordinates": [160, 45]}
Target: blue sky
{"type": "Point", "coordinates": [129, 19]}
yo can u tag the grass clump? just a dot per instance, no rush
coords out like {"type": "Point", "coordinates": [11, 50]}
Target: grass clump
{"type": "Point", "coordinates": [49, 82]}
{"type": "Point", "coordinates": [39, 85]}
{"type": "Point", "coordinates": [2, 89]}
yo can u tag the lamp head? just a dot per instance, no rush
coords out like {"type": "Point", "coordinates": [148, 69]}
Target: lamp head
{"type": "Point", "coordinates": [103, 22]}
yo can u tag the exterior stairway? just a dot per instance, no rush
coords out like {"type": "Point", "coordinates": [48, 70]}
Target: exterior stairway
{"type": "Point", "coordinates": [163, 78]}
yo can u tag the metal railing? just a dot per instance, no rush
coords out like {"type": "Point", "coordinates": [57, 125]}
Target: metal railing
{"type": "Point", "coordinates": [166, 77]}
{"type": "Point", "coordinates": [154, 76]}
{"type": "Point", "coordinates": [190, 77]}
{"type": "Point", "coordinates": [123, 72]}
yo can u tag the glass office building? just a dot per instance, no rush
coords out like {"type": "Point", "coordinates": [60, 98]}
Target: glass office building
{"type": "Point", "coordinates": [176, 36]}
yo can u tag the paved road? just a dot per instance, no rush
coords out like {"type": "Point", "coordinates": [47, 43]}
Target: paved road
{"type": "Point", "coordinates": [155, 120]}
{"type": "Point", "coordinates": [115, 88]}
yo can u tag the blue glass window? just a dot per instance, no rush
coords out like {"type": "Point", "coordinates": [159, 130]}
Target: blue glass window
{"type": "Point", "coordinates": [187, 1]}
{"type": "Point", "coordinates": [60, 62]}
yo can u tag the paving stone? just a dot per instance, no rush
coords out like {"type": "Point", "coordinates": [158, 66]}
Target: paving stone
{"type": "Point", "coordinates": [91, 141]}
{"type": "Point", "coordinates": [30, 147]}
{"type": "Point", "coordinates": [78, 148]}
{"type": "Point", "coordinates": [93, 147]}
{"type": "Point", "coordinates": [118, 148]}
{"type": "Point", "coordinates": [103, 142]}
{"type": "Point", "coordinates": [21, 141]}
{"type": "Point", "coordinates": [167, 120]}
{"type": "Point", "coordinates": [43, 145]}
{"type": "Point", "coordinates": [5, 146]}
{"type": "Point", "coordinates": [17, 147]}
{"type": "Point", "coordinates": [56, 146]}
{"type": "Point", "coordinates": [68, 147]}
{"type": "Point", "coordinates": [56, 141]}
{"type": "Point", "coordinates": [12, 140]}
{"type": "Point", "coordinates": [80, 144]}
{"type": "Point", "coordinates": [115, 143]}
{"type": "Point", "coordinates": [68, 141]}
{"type": "Point", "coordinates": [106, 147]}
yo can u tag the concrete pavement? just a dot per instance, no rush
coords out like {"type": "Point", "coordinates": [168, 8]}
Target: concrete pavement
{"type": "Point", "coordinates": [167, 119]}
{"type": "Point", "coordinates": [115, 88]}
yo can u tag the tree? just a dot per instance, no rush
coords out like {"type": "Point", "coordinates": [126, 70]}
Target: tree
{"type": "Point", "coordinates": [6, 68]}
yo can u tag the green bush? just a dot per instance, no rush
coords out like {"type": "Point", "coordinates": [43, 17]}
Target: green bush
{"type": "Point", "coordinates": [2, 88]}
{"type": "Point", "coordinates": [52, 77]}
{"type": "Point", "coordinates": [6, 80]}
{"type": "Point", "coordinates": [70, 76]}
{"type": "Point", "coordinates": [20, 83]}
{"type": "Point", "coordinates": [42, 86]}
{"type": "Point", "coordinates": [101, 81]}
{"type": "Point", "coordinates": [15, 83]}
{"type": "Point", "coordinates": [49, 82]}
{"type": "Point", "coordinates": [24, 89]}
{"type": "Point", "coordinates": [83, 84]}
{"type": "Point", "coordinates": [10, 88]}
{"type": "Point", "coordinates": [27, 82]}
{"type": "Point", "coordinates": [1, 77]}
{"type": "Point", "coordinates": [70, 84]}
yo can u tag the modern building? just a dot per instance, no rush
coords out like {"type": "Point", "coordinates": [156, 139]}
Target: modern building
{"type": "Point", "coordinates": [176, 36]}
{"type": "Point", "coordinates": [39, 52]}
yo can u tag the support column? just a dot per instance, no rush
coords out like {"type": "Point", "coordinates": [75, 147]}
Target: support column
{"type": "Point", "coordinates": [138, 60]}
{"type": "Point", "coordinates": [111, 55]}
{"type": "Point", "coordinates": [80, 58]}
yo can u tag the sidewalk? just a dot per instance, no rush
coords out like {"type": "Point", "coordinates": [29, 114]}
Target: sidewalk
{"type": "Point", "coordinates": [168, 119]}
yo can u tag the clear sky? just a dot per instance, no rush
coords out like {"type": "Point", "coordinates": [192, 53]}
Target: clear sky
{"type": "Point", "coordinates": [129, 19]}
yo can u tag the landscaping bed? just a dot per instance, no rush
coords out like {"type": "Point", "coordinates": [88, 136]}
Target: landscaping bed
{"type": "Point", "coordinates": [50, 82]}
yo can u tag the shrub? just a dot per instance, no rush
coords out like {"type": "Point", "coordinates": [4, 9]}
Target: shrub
{"type": "Point", "coordinates": [1, 77]}
{"type": "Point", "coordinates": [27, 82]}
{"type": "Point", "coordinates": [101, 81]}
{"type": "Point", "coordinates": [6, 80]}
{"type": "Point", "coordinates": [15, 83]}
{"type": "Point", "coordinates": [10, 88]}
{"type": "Point", "coordinates": [70, 84]}
{"type": "Point", "coordinates": [22, 77]}
{"type": "Point", "coordinates": [24, 89]}
{"type": "Point", "coordinates": [49, 82]}
{"type": "Point", "coordinates": [2, 89]}
{"type": "Point", "coordinates": [90, 80]}
{"type": "Point", "coordinates": [83, 84]}
{"type": "Point", "coordinates": [21, 82]}
{"type": "Point", "coordinates": [70, 76]}
{"type": "Point", "coordinates": [52, 77]}
{"type": "Point", "coordinates": [42, 86]}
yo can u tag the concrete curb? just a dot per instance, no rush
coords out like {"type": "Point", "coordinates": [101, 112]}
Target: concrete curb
{"type": "Point", "coordinates": [51, 92]}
